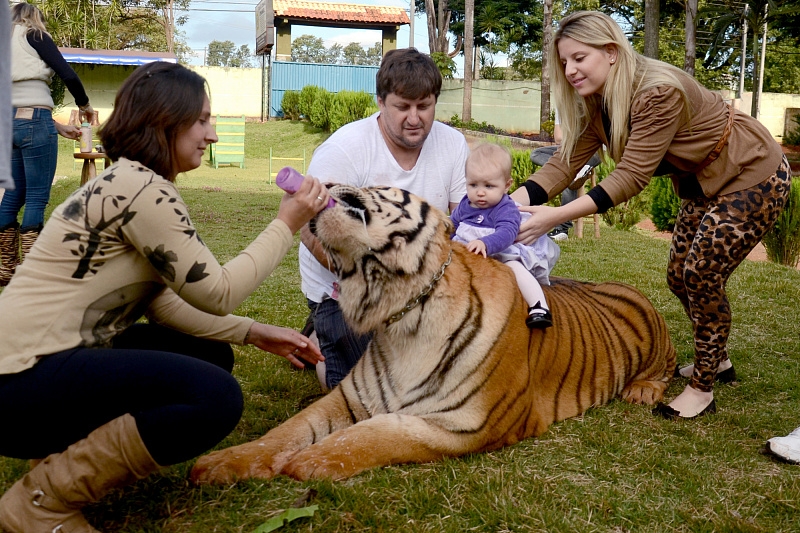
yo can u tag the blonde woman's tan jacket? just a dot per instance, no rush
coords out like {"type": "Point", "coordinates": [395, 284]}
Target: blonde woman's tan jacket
{"type": "Point", "coordinates": [659, 132]}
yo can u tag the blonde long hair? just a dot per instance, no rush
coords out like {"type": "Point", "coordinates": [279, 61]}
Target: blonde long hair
{"type": "Point", "coordinates": [629, 75]}
{"type": "Point", "coordinates": [29, 16]}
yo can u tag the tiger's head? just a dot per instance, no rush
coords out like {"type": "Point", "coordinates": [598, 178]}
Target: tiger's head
{"type": "Point", "coordinates": [384, 244]}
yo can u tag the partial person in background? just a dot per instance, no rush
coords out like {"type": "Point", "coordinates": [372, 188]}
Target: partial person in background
{"type": "Point", "coordinates": [655, 119]}
{"type": "Point", "coordinates": [400, 146]}
{"type": "Point", "coordinates": [101, 397]}
{"type": "Point", "coordinates": [786, 448]}
{"type": "Point", "coordinates": [540, 156]}
{"type": "Point", "coordinates": [34, 60]}
{"type": "Point", "coordinates": [5, 98]}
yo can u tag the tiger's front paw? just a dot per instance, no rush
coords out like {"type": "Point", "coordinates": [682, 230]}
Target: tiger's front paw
{"type": "Point", "coordinates": [646, 392]}
{"type": "Point", "coordinates": [310, 465]}
{"type": "Point", "coordinates": [228, 466]}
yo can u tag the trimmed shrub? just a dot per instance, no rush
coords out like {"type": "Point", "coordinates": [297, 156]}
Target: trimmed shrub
{"type": "Point", "coordinates": [308, 95]}
{"type": "Point", "coordinates": [320, 109]}
{"type": "Point", "coordinates": [446, 65]}
{"type": "Point", "coordinates": [521, 167]}
{"type": "Point", "coordinates": [782, 242]}
{"type": "Point", "coordinates": [625, 215]}
{"type": "Point", "coordinates": [290, 105]}
{"type": "Point", "coordinates": [349, 106]}
{"type": "Point", "coordinates": [665, 204]}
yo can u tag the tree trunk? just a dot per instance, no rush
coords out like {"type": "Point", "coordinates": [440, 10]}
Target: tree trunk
{"type": "Point", "coordinates": [430, 13]}
{"type": "Point", "coordinates": [438, 28]}
{"type": "Point", "coordinates": [758, 73]}
{"type": "Point", "coordinates": [651, 27]}
{"type": "Point", "coordinates": [469, 18]}
{"type": "Point", "coordinates": [547, 43]}
{"type": "Point", "coordinates": [743, 62]}
{"type": "Point", "coordinates": [691, 39]}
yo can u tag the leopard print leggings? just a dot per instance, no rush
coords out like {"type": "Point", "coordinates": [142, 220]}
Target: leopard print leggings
{"type": "Point", "coordinates": [711, 237]}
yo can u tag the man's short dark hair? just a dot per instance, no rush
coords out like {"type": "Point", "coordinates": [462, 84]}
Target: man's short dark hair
{"type": "Point", "coordinates": [408, 74]}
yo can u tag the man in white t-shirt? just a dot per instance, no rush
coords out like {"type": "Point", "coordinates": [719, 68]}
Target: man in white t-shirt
{"type": "Point", "coordinates": [400, 146]}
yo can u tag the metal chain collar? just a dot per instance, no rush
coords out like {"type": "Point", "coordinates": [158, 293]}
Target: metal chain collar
{"type": "Point", "coordinates": [424, 294]}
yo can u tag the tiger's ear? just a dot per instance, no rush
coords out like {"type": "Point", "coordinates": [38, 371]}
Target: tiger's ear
{"type": "Point", "coordinates": [402, 256]}
{"type": "Point", "coordinates": [448, 226]}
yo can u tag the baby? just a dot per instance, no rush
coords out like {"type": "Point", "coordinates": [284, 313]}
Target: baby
{"type": "Point", "coordinates": [487, 220]}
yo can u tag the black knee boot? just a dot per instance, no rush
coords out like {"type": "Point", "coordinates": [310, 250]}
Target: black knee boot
{"type": "Point", "coordinates": [27, 236]}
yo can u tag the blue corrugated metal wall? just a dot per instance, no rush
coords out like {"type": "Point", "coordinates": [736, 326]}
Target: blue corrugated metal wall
{"type": "Point", "coordinates": [288, 76]}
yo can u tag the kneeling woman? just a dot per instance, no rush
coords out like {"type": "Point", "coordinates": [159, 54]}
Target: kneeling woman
{"type": "Point", "coordinates": [102, 399]}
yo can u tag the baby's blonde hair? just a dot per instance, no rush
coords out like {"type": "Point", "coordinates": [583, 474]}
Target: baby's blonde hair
{"type": "Point", "coordinates": [490, 156]}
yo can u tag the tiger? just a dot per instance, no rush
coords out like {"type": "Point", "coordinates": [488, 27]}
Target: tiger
{"type": "Point", "coordinates": [451, 368]}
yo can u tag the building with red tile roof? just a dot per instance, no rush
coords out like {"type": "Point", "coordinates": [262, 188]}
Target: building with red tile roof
{"type": "Point", "coordinates": [388, 19]}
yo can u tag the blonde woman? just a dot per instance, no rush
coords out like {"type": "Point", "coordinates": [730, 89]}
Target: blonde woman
{"type": "Point", "coordinates": [34, 60]}
{"type": "Point", "coordinates": [655, 119]}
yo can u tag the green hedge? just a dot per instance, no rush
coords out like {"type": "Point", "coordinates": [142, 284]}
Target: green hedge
{"type": "Point", "coordinates": [521, 167]}
{"type": "Point", "coordinates": [349, 106]}
{"type": "Point", "coordinates": [665, 204]}
{"type": "Point", "coordinates": [325, 110]}
{"type": "Point", "coordinates": [290, 105]}
{"type": "Point", "coordinates": [627, 214]}
{"type": "Point", "coordinates": [320, 110]}
{"type": "Point", "coordinates": [308, 95]}
{"type": "Point", "coordinates": [782, 242]}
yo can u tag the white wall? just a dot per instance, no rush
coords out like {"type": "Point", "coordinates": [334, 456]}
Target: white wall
{"type": "Point", "coordinates": [512, 106]}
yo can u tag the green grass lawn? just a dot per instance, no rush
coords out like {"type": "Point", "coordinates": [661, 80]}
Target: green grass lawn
{"type": "Point", "coordinates": [617, 468]}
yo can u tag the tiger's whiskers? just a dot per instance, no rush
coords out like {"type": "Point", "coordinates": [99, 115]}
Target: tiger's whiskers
{"type": "Point", "coordinates": [361, 214]}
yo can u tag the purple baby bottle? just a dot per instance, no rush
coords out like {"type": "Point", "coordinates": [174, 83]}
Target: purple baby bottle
{"type": "Point", "coordinates": [289, 180]}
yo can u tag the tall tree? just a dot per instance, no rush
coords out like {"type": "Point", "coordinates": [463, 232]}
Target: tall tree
{"type": "Point", "coordinates": [354, 54]}
{"type": "Point", "coordinates": [466, 108]}
{"type": "Point", "coordinates": [333, 55]}
{"type": "Point", "coordinates": [512, 27]}
{"type": "Point", "coordinates": [309, 49]}
{"type": "Point", "coordinates": [547, 43]}
{"type": "Point", "coordinates": [166, 10]}
{"type": "Point", "coordinates": [691, 37]}
{"type": "Point", "coordinates": [651, 25]}
{"type": "Point", "coordinates": [728, 20]}
{"type": "Point", "coordinates": [375, 54]}
{"type": "Point", "coordinates": [116, 24]}
{"type": "Point", "coordinates": [225, 54]}
{"type": "Point", "coordinates": [439, 15]}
